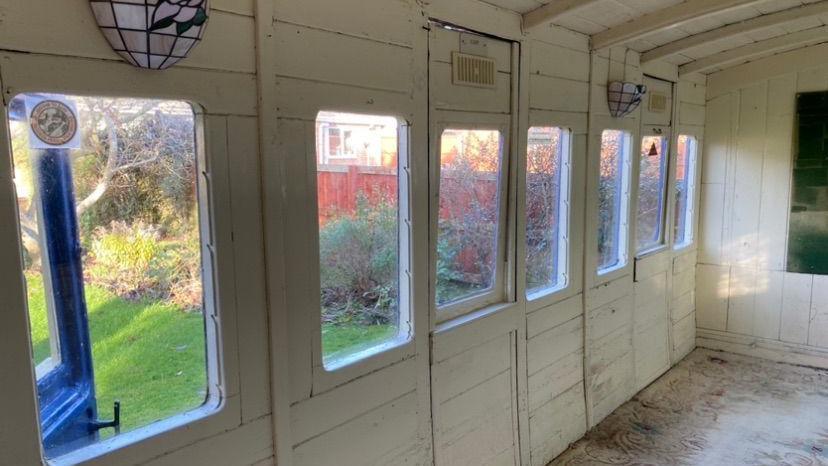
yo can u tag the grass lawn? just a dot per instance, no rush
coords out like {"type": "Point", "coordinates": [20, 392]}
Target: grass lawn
{"type": "Point", "coordinates": [148, 355]}
{"type": "Point", "coordinates": [341, 339]}
{"type": "Point", "coordinates": [151, 356]}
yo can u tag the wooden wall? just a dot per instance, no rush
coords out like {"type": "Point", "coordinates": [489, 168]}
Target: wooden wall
{"type": "Point", "coordinates": [747, 302]}
{"type": "Point", "coordinates": [509, 385]}
{"type": "Point", "coordinates": [46, 46]}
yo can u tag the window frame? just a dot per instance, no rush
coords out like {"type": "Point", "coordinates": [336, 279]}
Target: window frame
{"type": "Point", "coordinates": [564, 212]}
{"type": "Point", "coordinates": [222, 410]}
{"type": "Point", "coordinates": [667, 170]}
{"type": "Point", "coordinates": [320, 378]}
{"type": "Point", "coordinates": [625, 210]}
{"type": "Point", "coordinates": [692, 195]}
{"type": "Point", "coordinates": [405, 334]}
{"type": "Point", "coordinates": [501, 290]}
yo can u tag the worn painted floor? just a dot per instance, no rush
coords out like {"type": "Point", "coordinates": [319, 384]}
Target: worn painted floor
{"type": "Point", "coordinates": [716, 409]}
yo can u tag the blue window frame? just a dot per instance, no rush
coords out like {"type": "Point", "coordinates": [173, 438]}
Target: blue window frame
{"type": "Point", "coordinates": [119, 284]}
{"type": "Point", "coordinates": [66, 393]}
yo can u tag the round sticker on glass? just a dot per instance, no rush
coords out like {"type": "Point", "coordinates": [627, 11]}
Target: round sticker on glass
{"type": "Point", "coordinates": [53, 122]}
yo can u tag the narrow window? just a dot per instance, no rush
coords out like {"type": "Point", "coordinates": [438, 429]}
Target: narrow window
{"type": "Point", "coordinates": [652, 191]}
{"type": "Point", "coordinates": [110, 218]}
{"type": "Point", "coordinates": [469, 222]}
{"type": "Point", "coordinates": [613, 200]}
{"type": "Point", "coordinates": [547, 202]}
{"type": "Point", "coordinates": [685, 190]}
{"type": "Point", "coordinates": [359, 203]}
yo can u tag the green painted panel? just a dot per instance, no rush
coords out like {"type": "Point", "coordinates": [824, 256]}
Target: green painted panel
{"type": "Point", "coordinates": [808, 224]}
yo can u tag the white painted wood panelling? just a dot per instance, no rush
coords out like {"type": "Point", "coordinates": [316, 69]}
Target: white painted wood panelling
{"type": "Point", "coordinates": [747, 302]}
{"type": "Point", "coordinates": [512, 384]}
{"type": "Point", "coordinates": [58, 48]}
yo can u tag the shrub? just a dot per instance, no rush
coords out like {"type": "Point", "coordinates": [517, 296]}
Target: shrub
{"type": "Point", "coordinates": [133, 262]}
{"type": "Point", "coordinates": [358, 262]}
{"type": "Point", "coordinates": [122, 259]}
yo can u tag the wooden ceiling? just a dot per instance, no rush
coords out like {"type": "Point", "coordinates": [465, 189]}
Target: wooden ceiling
{"type": "Point", "coordinates": [698, 35]}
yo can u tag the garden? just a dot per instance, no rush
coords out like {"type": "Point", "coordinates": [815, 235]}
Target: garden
{"type": "Point", "coordinates": [136, 204]}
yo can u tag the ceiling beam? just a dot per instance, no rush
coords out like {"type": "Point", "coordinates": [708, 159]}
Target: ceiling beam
{"type": "Point", "coordinates": [746, 52]}
{"type": "Point", "coordinates": [552, 11]}
{"type": "Point", "coordinates": [724, 32]}
{"type": "Point", "coordinates": [663, 19]}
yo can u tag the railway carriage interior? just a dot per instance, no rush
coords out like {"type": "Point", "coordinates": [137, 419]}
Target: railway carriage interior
{"type": "Point", "coordinates": [414, 232]}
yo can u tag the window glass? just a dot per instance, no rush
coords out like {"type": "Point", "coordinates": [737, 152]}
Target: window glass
{"type": "Point", "coordinates": [469, 215]}
{"type": "Point", "coordinates": [547, 193]}
{"type": "Point", "coordinates": [358, 200]}
{"type": "Point", "coordinates": [113, 266]}
{"type": "Point", "coordinates": [652, 190]}
{"type": "Point", "coordinates": [685, 189]}
{"type": "Point", "coordinates": [613, 199]}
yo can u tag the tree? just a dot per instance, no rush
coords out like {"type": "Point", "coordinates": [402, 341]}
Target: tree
{"type": "Point", "coordinates": [125, 142]}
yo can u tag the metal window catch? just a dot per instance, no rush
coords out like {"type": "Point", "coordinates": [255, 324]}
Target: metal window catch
{"type": "Point", "coordinates": [114, 423]}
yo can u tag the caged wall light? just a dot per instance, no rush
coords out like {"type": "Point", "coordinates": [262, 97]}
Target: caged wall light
{"type": "Point", "coordinates": [152, 34]}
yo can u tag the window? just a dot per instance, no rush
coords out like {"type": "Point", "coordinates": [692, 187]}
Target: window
{"type": "Point", "coordinates": [547, 202]}
{"type": "Point", "coordinates": [685, 190]}
{"type": "Point", "coordinates": [470, 214]}
{"type": "Point", "coordinates": [110, 218]}
{"type": "Point", "coordinates": [613, 200]}
{"type": "Point", "coordinates": [652, 191]}
{"type": "Point", "coordinates": [359, 204]}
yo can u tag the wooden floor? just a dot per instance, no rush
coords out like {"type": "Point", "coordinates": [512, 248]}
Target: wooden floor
{"type": "Point", "coordinates": [716, 409]}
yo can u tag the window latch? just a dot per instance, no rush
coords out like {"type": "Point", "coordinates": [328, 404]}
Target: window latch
{"type": "Point", "coordinates": [114, 423]}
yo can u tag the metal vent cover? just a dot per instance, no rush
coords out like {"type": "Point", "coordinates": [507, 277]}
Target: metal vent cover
{"type": "Point", "coordinates": [658, 102]}
{"type": "Point", "coordinates": [472, 70]}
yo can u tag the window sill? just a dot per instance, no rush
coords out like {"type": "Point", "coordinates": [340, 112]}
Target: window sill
{"type": "Point", "coordinates": [151, 440]}
{"type": "Point", "coordinates": [682, 246]}
{"type": "Point", "coordinates": [544, 293]}
{"type": "Point", "coordinates": [651, 251]}
{"type": "Point", "coordinates": [346, 361]}
{"type": "Point", "coordinates": [609, 270]}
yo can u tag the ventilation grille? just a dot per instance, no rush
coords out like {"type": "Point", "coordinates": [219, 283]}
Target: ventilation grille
{"type": "Point", "coordinates": [471, 70]}
{"type": "Point", "coordinates": [658, 102]}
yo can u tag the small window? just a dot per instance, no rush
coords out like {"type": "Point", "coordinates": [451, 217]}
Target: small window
{"type": "Point", "coordinates": [470, 214]}
{"type": "Point", "coordinates": [613, 200]}
{"type": "Point", "coordinates": [547, 204]}
{"type": "Point", "coordinates": [685, 190]}
{"type": "Point", "coordinates": [652, 191]}
{"type": "Point", "coordinates": [110, 218]}
{"type": "Point", "coordinates": [359, 205]}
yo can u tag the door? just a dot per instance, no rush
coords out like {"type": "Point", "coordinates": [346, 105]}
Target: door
{"type": "Point", "coordinates": [472, 109]}
{"type": "Point", "coordinates": [653, 261]}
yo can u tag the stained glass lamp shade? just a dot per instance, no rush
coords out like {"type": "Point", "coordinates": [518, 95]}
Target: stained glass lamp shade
{"type": "Point", "coordinates": [152, 34]}
{"type": "Point", "coordinates": [623, 98]}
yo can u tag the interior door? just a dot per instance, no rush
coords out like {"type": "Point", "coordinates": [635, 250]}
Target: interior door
{"type": "Point", "coordinates": [653, 262]}
{"type": "Point", "coordinates": [473, 304]}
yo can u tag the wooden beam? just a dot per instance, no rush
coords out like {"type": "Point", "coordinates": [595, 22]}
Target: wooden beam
{"type": "Point", "coordinates": [753, 24]}
{"type": "Point", "coordinates": [663, 19]}
{"type": "Point", "coordinates": [552, 11]}
{"type": "Point", "coordinates": [746, 52]}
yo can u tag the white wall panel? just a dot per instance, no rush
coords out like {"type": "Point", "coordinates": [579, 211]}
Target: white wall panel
{"type": "Point", "coordinates": [750, 136]}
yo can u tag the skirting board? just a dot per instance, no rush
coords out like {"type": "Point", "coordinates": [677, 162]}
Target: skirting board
{"type": "Point", "coordinates": [773, 350]}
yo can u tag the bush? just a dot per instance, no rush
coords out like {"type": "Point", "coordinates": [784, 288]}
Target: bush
{"type": "Point", "coordinates": [133, 262]}
{"type": "Point", "coordinates": [122, 259]}
{"type": "Point", "coordinates": [358, 265]}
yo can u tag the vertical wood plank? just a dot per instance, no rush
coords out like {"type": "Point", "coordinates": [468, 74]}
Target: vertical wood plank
{"type": "Point", "coordinates": [796, 307]}
{"type": "Point", "coordinates": [712, 289]}
{"type": "Point", "coordinates": [740, 310]}
{"type": "Point", "coordinates": [768, 306]}
{"type": "Point", "coordinates": [818, 328]}
{"type": "Point", "coordinates": [776, 174]}
{"type": "Point", "coordinates": [750, 147]}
